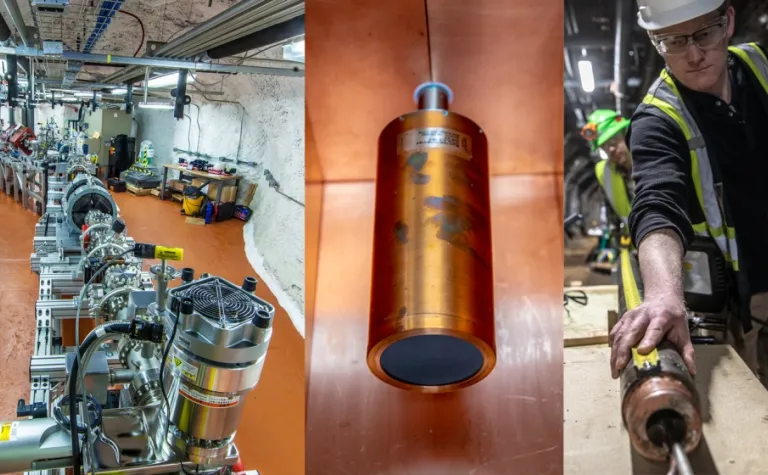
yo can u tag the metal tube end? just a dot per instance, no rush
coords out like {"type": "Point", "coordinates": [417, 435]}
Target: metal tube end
{"type": "Point", "coordinates": [433, 95]}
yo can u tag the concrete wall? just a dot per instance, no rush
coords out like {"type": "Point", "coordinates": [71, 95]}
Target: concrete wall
{"type": "Point", "coordinates": [264, 131]}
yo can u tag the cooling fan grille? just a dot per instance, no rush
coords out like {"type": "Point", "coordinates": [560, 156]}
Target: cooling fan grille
{"type": "Point", "coordinates": [221, 301]}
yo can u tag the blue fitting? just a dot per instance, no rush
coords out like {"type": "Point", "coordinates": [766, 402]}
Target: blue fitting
{"type": "Point", "coordinates": [441, 85]}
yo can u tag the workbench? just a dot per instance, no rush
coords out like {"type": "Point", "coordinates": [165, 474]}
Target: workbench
{"type": "Point", "coordinates": [221, 179]}
{"type": "Point", "coordinates": [734, 412]}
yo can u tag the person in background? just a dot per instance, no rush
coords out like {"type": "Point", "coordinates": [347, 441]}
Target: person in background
{"type": "Point", "coordinates": [605, 133]}
{"type": "Point", "coordinates": [700, 164]}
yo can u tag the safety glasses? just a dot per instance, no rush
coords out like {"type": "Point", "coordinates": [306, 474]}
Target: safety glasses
{"type": "Point", "coordinates": [705, 38]}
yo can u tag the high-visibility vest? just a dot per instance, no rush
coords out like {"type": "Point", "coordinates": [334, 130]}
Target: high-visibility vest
{"type": "Point", "coordinates": [612, 182]}
{"type": "Point", "coordinates": [665, 96]}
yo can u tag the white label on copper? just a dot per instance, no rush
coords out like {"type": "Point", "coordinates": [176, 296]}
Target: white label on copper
{"type": "Point", "coordinates": [422, 140]}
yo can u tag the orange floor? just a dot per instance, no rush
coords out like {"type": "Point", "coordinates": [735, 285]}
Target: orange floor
{"type": "Point", "coordinates": [271, 436]}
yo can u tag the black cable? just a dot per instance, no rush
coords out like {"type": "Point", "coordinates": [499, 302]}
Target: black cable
{"type": "Point", "coordinates": [578, 297]}
{"type": "Point", "coordinates": [162, 368]}
{"type": "Point", "coordinates": [115, 327]}
{"type": "Point", "coordinates": [141, 24]}
{"type": "Point", "coordinates": [76, 459]}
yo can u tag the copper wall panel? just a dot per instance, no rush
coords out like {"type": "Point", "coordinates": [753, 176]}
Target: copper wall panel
{"type": "Point", "coordinates": [313, 170]}
{"type": "Point", "coordinates": [509, 423]}
{"type": "Point", "coordinates": [504, 61]}
{"type": "Point", "coordinates": [364, 60]}
{"type": "Point", "coordinates": [312, 219]}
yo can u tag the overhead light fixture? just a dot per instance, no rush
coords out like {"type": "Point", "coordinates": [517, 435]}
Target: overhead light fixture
{"type": "Point", "coordinates": [587, 76]}
{"type": "Point", "coordinates": [86, 94]}
{"type": "Point", "coordinates": [166, 81]}
{"type": "Point", "coordinates": [119, 92]}
{"type": "Point", "coordinates": [156, 106]}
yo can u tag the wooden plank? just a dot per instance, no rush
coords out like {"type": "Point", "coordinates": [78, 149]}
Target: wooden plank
{"type": "Point", "coordinates": [138, 191]}
{"type": "Point", "coordinates": [209, 176]}
{"type": "Point", "coordinates": [588, 324]}
{"type": "Point", "coordinates": [509, 423]}
{"type": "Point", "coordinates": [195, 221]}
{"type": "Point", "coordinates": [734, 408]}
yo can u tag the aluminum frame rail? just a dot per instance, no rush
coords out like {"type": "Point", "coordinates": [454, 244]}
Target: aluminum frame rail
{"type": "Point", "coordinates": [240, 20]}
{"type": "Point", "coordinates": [296, 71]}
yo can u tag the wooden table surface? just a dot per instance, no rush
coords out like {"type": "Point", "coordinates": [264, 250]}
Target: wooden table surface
{"type": "Point", "coordinates": [734, 409]}
{"type": "Point", "coordinates": [510, 423]}
{"type": "Point", "coordinates": [200, 174]}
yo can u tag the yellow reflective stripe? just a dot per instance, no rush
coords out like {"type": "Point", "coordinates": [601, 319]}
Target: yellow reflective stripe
{"type": "Point", "coordinates": [715, 232]}
{"type": "Point", "coordinates": [700, 228]}
{"type": "Point", "coordinates": [670, 111]}
{"type": "Point", "coordinates": [600, 172]}
{"type": "Point", "coordinates": [731, 233]}
{"type": "Point", "coordinates": [619, 194]}
{"type": "Point", "coordinates": [759, 51]}
{"type": "Point", "coordinates": [674, 115]}
{"type": "Point", "coordinates": [745, 57]}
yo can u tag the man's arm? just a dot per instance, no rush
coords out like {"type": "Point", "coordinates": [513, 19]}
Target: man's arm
{"type": "Point", "coordinates": [661, 230]}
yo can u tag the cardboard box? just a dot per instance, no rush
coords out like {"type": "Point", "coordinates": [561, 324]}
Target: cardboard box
{"type": "Point", "coordinates": [198, 182]}
{"type": "Point", "coordinates": [177, 185]}
{"type": "Point", "coordinates": [228, 193]}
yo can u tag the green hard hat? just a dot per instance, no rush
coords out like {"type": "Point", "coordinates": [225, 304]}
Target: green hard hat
{"type": "Point", "coordinates": [603, 124]}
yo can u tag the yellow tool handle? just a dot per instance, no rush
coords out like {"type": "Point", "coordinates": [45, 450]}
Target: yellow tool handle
{"type": "Point", "coordinates": [633, 300]}
{"type": "Point", "coordinates": [169, 253]}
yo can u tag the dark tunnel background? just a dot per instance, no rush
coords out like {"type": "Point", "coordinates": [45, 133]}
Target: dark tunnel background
{"type": "Point", "coordinates": [597, 30]}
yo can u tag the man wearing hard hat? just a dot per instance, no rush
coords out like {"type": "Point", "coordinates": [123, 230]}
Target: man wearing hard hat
{"type": "Point", "coordinates": [605, 132]}
{"type": "Point", "coordinates": [700, 164]}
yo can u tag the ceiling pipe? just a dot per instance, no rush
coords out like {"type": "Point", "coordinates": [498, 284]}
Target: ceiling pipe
{"type": "Point", "coordinates": [160, 63]}
{"type": "Point", "coordinates": [27, 37]}
{"type": "Point", "coordinates": [623, 27]}
{"type": "Point", "coordinates": [5, 30]}
{"type": "Point", "coordinates": [292, 28]}
{"type": "Point", "coordinates": [13, 82]}
{"type": "Point", "coordinates": [240, 20]}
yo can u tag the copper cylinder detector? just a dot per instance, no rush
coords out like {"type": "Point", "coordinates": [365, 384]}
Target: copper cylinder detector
{"type": "Point", "coordinates": [432, 318]}
{"type": "Point", "coordinates": [659, 402]}
{"type": "Point", "coordinates": [660, 406]}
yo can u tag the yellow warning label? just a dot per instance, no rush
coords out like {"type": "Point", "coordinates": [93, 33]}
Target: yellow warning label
{"type": "Point", "coordinates": [645, 361]}
{"type": "Point", "coordinates": [5, 432]}
{"type": "Point", "coordinates": [169, 253]}
{"type": "Point", "coordinates": [176, 361]}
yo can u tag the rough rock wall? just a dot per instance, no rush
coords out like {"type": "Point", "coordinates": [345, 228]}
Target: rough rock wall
{"type": "Point", "coordinates": [263, 131]}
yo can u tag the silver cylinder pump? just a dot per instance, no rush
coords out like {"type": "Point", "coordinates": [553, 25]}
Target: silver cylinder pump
{"type": "Point", "coordinates": [86, 194]}
{"type": "Point", "coordinates": [218, 336]}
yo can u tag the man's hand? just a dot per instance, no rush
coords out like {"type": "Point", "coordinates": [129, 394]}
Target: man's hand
{"type": "Point", "coordinates": [648, 324]}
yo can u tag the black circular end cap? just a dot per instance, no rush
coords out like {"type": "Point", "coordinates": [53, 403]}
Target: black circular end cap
{"type": "Point", "coordinates": [118, 226]}
{"type": "Point", "coordinates": [262, 319]}
{"type": "Point", "coordinates": [187, 306]}
{"type": "Point", "coordinates": [431, 360]}
{"type": "Point", "coordinates": [249, 284]}
{"type": "Point", "coordinates": [187, 274]}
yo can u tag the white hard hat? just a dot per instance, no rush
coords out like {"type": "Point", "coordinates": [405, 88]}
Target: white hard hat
{"type": "Point", "coordinates": [657, 14]}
